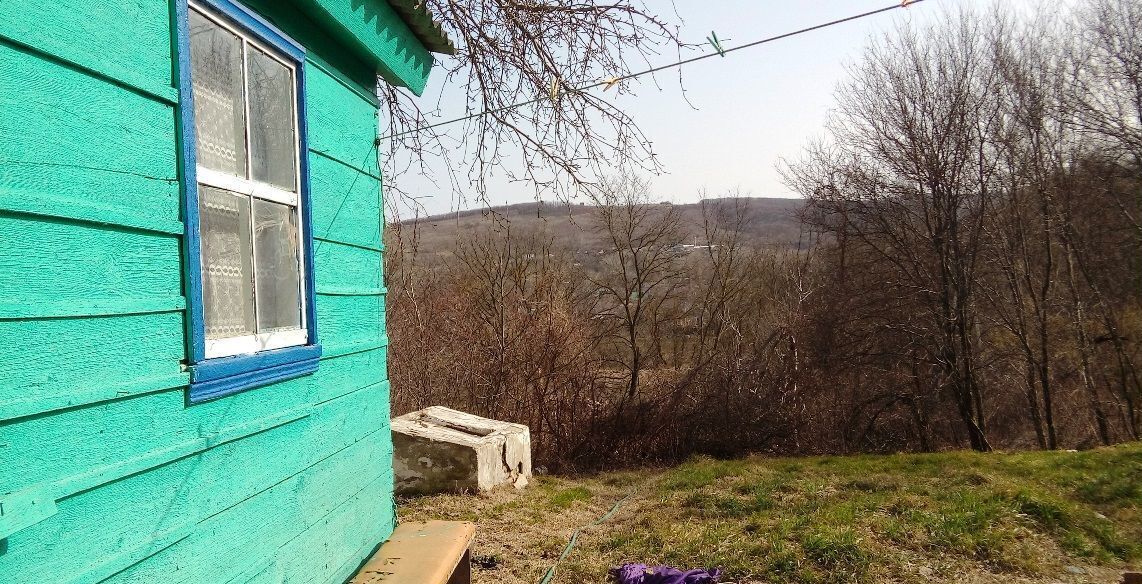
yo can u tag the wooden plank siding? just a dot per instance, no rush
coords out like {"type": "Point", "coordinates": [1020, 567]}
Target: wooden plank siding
{"type": "Point", "coordinates": [106, 475]}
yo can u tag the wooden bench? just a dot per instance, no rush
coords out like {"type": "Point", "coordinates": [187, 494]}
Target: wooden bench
{"type": "Point", "coordinates": [437, 552]}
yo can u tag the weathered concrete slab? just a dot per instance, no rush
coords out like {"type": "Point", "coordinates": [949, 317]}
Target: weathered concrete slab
{"type": "Point", "coordinates": [438, 449]}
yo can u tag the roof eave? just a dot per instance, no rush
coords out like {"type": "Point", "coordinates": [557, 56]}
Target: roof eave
{"type": "Point", "coordinates": [427, 29]}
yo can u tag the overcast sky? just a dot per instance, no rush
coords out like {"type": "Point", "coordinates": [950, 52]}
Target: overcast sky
{"type": "Point", "coordinates": [753, 107]}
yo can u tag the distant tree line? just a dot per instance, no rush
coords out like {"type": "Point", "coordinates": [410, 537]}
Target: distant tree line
{"type": "Point", "coordinates": [970, 275]}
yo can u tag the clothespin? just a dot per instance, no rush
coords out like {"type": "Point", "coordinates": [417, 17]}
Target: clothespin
{"type": "Point", "coordinates": [905, 3]}
{"type": "Point", "coordinates": [717, 44]}
{"type": "Point", "coordinates": [555, 87]}
{"type": "Point", "coordinates": [610, 82]}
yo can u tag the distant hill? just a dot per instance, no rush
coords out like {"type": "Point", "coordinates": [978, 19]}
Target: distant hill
{"type": "Point", "coordinates": [770, 222]}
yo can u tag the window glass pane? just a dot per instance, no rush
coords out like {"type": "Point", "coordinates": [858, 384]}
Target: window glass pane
{"type": "Point", "coordinates": [279, 279]}
{"type": "Point", "coordinates": [272, 137]}
{"type": "Point", "coordinates": [219, 111]}
{"type": "Point", "coordinates": [227, 272]}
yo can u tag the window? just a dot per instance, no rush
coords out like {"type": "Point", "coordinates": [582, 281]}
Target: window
{"type": "Point", "coordinates": [249, 282]}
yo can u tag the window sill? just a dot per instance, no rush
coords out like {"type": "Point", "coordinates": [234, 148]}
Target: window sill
{"type": "Point", "coordinates": [223, 376]}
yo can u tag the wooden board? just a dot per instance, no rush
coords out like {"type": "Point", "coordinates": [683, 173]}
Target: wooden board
{"type": "Point", "coordinates": [420, 553]}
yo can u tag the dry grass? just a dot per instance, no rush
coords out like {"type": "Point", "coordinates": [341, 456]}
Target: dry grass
{"type": "Point", "coordinates": [950, 517]}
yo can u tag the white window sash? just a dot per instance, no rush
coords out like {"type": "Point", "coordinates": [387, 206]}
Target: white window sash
{"type": "Point", "coordinates": [249, 344]}
{"type": "Point", "coordinates": [264, 47]}
{"type": "Point", "coordinates": [234, 184]}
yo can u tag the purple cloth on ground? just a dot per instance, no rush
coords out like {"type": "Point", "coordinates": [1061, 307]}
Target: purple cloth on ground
{"type": "Point", "coordinates": [641, 574]}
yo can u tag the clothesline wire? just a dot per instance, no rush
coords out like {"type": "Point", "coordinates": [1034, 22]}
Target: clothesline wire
{"type": "Point", "coordinates": [620, 78]}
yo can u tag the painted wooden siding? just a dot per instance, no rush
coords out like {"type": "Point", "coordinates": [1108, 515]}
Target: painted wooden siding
{"type": "Point", "coordinates": [105, 474]}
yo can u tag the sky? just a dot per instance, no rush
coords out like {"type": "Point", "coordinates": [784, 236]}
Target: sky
{"type": "Point", "coordinates": [745, 112]}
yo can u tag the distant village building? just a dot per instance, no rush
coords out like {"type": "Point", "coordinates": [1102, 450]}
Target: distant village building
{"type": "Point", "coordinates": [193, 368]}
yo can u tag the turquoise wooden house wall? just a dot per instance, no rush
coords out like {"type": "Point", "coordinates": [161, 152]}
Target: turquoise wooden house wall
{"type": "Point", "coordinates": [107, 471]}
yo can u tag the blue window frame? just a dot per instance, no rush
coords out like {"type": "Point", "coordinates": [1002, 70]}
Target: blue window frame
{"type": "Point", "coordinates": [248, 250]}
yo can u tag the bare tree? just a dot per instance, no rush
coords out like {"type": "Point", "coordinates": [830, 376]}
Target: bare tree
{"type": "Point", "coordinates": [1033, 149]}
{"type": "Point", "coordinates": [642, 273]}
{"type": "Point", "coordinates": [1107, 76]}
{"type": "Point", "coordinates": [540, 53]}
{"type": "Point", "coordinates": [1106, 98]}
{"type": "Point", "coordinates": [907, 180]}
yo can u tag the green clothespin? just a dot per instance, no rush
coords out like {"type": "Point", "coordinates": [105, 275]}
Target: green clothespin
{"type": "Point", "coordinates": [717, 44]}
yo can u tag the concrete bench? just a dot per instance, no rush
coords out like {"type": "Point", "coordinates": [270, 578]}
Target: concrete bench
{"type": "Point", "coordinates": [436, 552]}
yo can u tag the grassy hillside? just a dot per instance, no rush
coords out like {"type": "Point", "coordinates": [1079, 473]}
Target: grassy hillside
{"type": "Point", "coordinates": [949, 517]}
{"type": "Point", "coordinates": [771, 221]}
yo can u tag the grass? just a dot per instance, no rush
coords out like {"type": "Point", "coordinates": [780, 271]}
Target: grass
{"type": "Point", "coordinates": [564, 498]}
{"type": "Point", "coordinates": [952, 517]}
